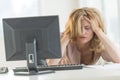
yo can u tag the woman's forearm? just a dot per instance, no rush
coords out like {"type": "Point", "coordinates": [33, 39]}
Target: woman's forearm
{"type": "Point", "coordinates": [64, 42]}
{"type": "Point", "coordinates": [111, 49]}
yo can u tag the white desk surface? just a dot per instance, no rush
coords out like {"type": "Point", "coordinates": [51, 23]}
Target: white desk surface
{"type": "Point", "coordinates": [94, 73]}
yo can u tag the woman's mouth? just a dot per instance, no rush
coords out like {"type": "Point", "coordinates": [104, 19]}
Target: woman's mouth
{"type": "Point", "coordinates": [82, 37]}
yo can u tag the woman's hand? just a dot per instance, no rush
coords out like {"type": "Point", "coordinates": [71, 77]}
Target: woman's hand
{"type": "Point", "coordinates": [95, 26]}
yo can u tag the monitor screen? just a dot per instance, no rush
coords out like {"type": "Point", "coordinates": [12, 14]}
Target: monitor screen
{"type": "Point", "coordinates": [19, 31]}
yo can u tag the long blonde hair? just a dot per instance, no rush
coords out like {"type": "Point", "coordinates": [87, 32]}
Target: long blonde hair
{"type": "Point", "coordinates": [73, 26]}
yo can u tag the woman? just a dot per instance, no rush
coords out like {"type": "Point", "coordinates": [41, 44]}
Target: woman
{"type": "Point", "coordinates": [84, 40]}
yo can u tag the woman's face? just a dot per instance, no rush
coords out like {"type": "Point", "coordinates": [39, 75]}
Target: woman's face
{"type": "Point", "coordinates": [87, 32]}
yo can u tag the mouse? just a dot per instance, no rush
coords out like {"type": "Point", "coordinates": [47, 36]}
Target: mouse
{"type": "Point", "coordinates": [3, 70]}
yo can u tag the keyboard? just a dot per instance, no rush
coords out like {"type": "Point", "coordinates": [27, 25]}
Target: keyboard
{"type": "Point", "coordinates": [53, 67]}
{"type": "Point", "coordinates": [46, 69]}
{"type": "Point", "coordinates": [61, 67]}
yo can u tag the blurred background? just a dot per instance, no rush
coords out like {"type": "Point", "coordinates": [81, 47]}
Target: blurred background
{"type": "Point", "coordinates": [110, 10]}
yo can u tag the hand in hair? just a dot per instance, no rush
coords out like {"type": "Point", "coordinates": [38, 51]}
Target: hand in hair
{"type": "Point", "coordinates": [95, 26]}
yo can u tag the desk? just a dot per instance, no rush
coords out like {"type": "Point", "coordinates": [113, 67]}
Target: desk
{"type": "Point", "coordinates": [83, 74]}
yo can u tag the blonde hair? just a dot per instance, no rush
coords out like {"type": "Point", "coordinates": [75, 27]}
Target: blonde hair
{"type": "Point", "coordinates": [73, 26]}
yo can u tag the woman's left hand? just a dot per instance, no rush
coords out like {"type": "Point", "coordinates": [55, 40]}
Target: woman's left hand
{"type": "Point", "coordinates": [95, 26]}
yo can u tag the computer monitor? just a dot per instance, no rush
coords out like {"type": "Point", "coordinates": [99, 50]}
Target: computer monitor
{"type": "Point", "coordinates": [34, 39]}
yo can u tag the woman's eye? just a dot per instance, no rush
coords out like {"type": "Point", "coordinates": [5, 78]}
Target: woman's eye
{"type": "Point", "coordinates": [87, 28]}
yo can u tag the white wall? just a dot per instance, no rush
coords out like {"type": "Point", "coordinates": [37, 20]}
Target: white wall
{"type": "Point", "coordinates": [45, 7]}
{"type": "Point", "coordinates": [15, 8]}
{"type": "Point", "coordinates": [58, 7]}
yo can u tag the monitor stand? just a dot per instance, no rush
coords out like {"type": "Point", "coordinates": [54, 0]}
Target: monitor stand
{"type": "Point", "coordinates": [32, 66]}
